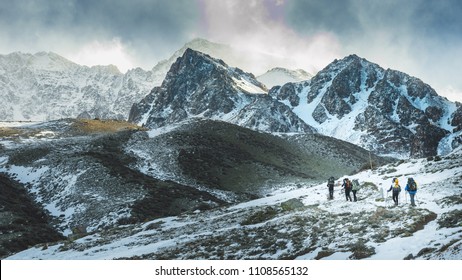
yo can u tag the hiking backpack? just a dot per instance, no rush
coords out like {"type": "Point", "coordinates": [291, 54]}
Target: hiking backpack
{"type": "Point", "coordinates": [355, 184]}
{"type": "Point", "coordinates": [331, 181]}
{"type": "Point", "coordinates": [412, 184]}
{"type": "Point", "coordinates": [347, 184]}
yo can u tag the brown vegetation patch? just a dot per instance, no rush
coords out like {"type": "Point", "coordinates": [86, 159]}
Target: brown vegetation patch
{"type": "Point", "coordinates": [103, 126]}
{"type": "Point", "coordinates": [9, 131]}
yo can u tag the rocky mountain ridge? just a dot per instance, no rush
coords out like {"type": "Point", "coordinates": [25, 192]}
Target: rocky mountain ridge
{"type": "Point", "coordinates": [386, 111]}
{"type": "Point", "coordinates": [198, 85]}
{"type": "Point", "coordinates": [46, 86]}
{"type": "Point", "coordinates": [351, 99]}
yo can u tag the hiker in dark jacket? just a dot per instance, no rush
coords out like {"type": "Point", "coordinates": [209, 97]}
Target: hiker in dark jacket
{"type": "Point", "coordinates": [411, 188]}
{"type": "Point", "coordinates": [347, 186]}
{"type": "Point", "coordinates": [396, 190]}
{"type": "Point", "coordinates": [330, 185]}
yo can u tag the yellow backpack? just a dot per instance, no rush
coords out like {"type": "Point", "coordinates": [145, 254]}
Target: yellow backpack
{"type": "Point", "coordinates": [396, 186]}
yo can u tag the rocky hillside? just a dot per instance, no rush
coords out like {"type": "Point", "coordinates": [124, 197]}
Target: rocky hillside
{"type": "Point", "coordinates": [200, 86]}
{"type": "Point", "coordinates": [386, 111]}
{"type": "Point", "coordinates": [223, 156]}
{"type": "Point", "coordinates": [23, 223]}
{"type": "Point", "coordinates": [90, 175]}
{"type": "Point", "coordinates": [298, 222]}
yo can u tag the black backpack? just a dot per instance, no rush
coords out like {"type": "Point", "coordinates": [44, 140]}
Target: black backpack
{"type": "Point", "coordinates": [412, 184]}
{"type": "Point", "coordinates": [331, 181]}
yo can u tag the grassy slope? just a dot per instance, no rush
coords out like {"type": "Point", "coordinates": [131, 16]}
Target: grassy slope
{"type": "Point", "coordinates": [229, 157]}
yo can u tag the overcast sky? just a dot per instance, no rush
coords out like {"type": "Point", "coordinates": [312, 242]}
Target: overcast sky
{"type": "Point", "coordinates": [420, 37]}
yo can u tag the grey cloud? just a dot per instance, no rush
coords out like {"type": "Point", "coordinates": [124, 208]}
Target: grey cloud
{"type": "Point", "coordinates": [439, 19]}
{"type": "Point", "coordinates": [420, 37]}
{"type": "Point", "coordinates": [145, 25]}
{"type": "Point", "coordinates": [312, 16]}
{"type": "Point", "coordinates": [423, 21]}
{"type": "Point", "coordinates": [137, 19]}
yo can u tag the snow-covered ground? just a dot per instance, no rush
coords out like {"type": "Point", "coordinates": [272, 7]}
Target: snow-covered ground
{"type": "Point", "coordinates": [16, 124]}
{"type": "Point", "coordinates": [321, 229]}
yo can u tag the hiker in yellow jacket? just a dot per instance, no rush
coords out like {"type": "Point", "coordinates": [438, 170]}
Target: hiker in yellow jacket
{"type": "Point", "coordinates": [396, 190]}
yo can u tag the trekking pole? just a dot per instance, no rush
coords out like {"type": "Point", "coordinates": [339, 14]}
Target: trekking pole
{"type": "Point", "coordinates": [405, 197]}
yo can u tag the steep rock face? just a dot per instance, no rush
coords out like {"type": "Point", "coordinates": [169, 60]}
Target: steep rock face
{"type": "Point", "coordinates": [288, 92]}
{"type": "Point", "coordinates": [46, 86]}
{"type": "Point", "coordinates": [457, 118]}
{"type": "Point", "coordinates": [386, 111]}
{"type": "Point", "coordinates": [200, 86]}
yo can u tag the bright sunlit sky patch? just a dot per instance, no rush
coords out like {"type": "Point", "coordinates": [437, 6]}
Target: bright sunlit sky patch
{"type": "Point", "coordinates": [419, 37]}
{"type": "Point", "coordinates": [104, 53]}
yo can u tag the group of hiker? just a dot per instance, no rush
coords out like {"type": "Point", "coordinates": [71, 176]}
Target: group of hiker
{"type": "Point", "coordinates": [411, 188]}
{"type": "Point", "coordinates": [353, 186]}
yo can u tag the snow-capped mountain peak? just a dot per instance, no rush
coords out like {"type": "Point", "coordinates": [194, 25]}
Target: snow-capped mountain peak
{"type": "Point", "coordinates": [46, 86]}
{"type": "Point", "coordinates": [386, 111]}
{"type": "Point", "coordinates": [279, 76]}
{"type": "Point", "coordinates": [198, 85]}
{"type": "Point", "coordinates": [46, 61]}
{"type": "Point", "coordinates": [204, 65]}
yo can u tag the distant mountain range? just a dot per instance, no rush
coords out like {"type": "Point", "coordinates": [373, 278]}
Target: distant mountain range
{"type": "Point", "coordinates": [351, 99]}
{"type": "Point", "coordinates": [46, 86]}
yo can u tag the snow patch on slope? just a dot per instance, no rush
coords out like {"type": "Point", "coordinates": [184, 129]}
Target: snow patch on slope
{"type": "Point", "coordinates": [183, 234]}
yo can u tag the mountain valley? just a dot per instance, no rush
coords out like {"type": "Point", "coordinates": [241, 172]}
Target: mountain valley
{"type": "Point", "coordinates": [198, 159]}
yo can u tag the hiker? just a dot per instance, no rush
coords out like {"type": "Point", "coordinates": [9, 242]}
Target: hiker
{"type": "Point", "coordinates": [330, 185]}
{"type": "Point", "coordinates": [354, 189]}
{"type": "Point", "coordinates": [347, 186]}
{"type": "Point", "coordinates": [411, 188]}
{"type": "Point", "coordinates": [396, 190]}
